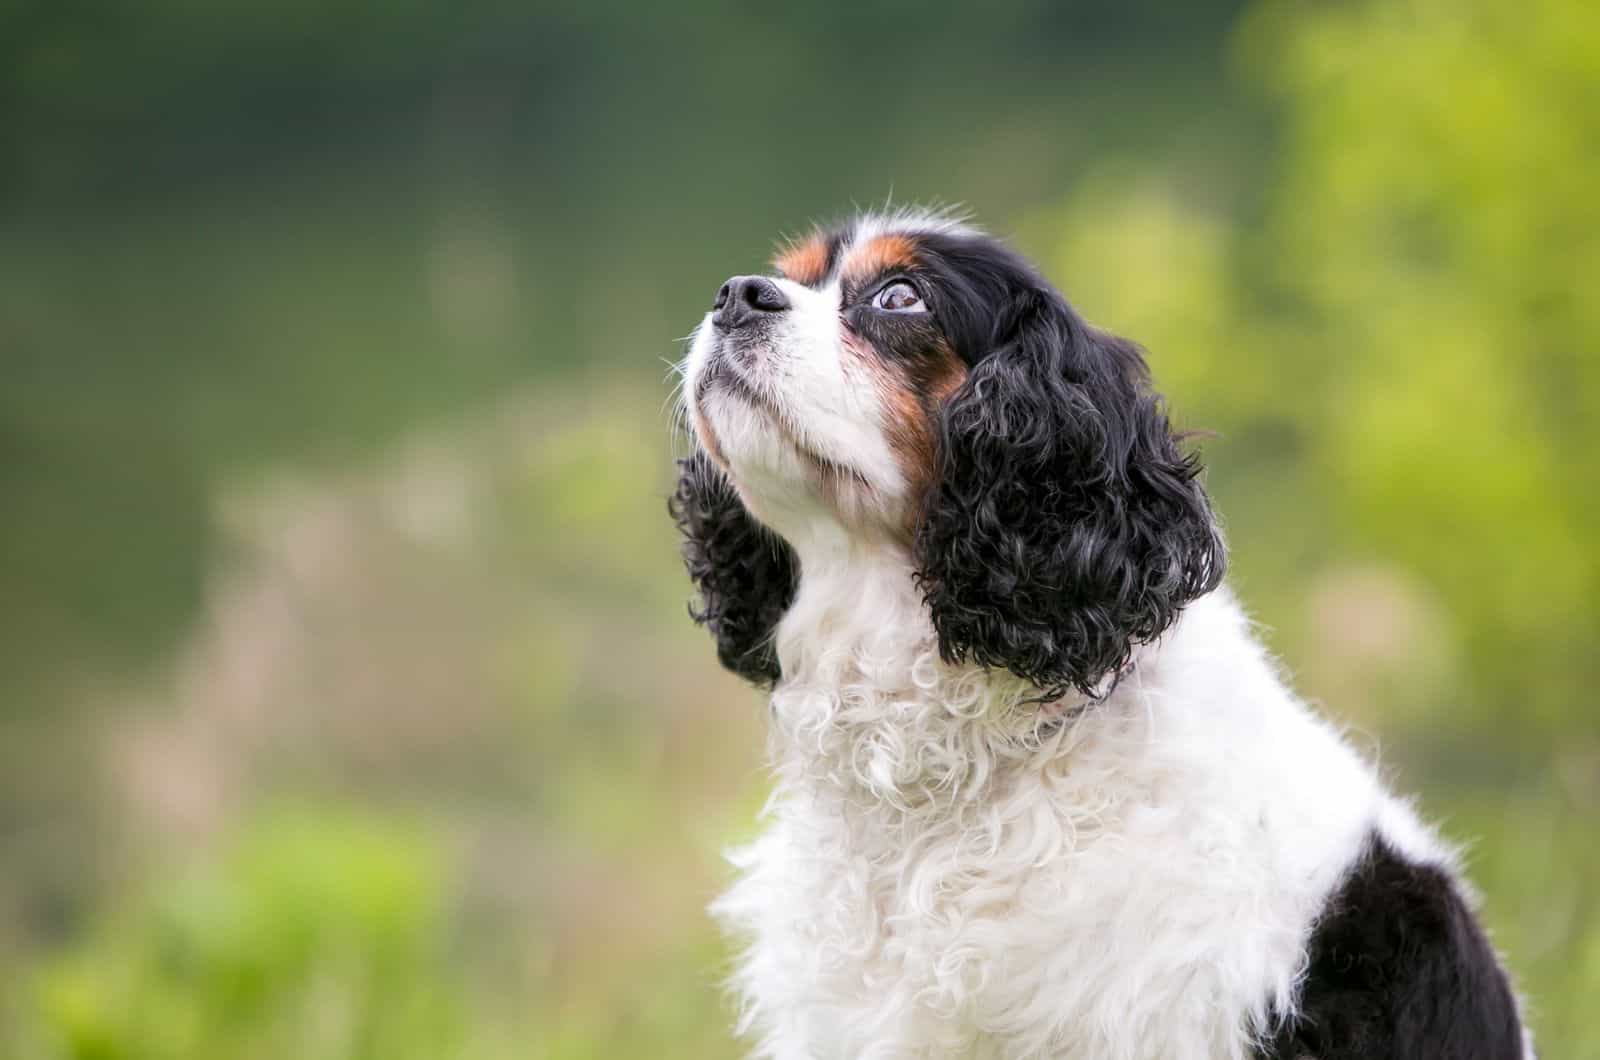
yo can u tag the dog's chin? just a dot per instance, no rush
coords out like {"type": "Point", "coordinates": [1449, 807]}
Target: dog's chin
{"type": "Point", "coordinates": [784, 482]}
{"type": "Point", "coordinates": [746, 429]}
{"type": "Point", "coordinates": [750, 437]}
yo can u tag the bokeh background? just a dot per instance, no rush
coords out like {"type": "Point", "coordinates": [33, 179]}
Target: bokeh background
{"type": "Point", "coordinates": [348, 706]}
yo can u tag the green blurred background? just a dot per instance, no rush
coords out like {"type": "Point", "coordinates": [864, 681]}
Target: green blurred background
{"type": "Point", "coordinates": [348, 707]}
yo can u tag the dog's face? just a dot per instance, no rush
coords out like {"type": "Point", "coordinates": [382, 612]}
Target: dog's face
{"type": "Point", "coordinates": [913, 381]}
{"type": "Point", "coordinates": [818, 389]}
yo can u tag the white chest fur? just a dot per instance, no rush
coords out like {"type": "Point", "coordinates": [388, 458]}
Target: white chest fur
{"type": "Point", "coordinates": [948, 872]}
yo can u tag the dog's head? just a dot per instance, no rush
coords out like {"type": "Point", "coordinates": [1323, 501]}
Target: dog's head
{"type": "Point", "coordinates": [910, 381]}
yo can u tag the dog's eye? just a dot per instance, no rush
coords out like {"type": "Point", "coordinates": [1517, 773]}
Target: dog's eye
{"type": "Point", "coordinates": [898, 297]}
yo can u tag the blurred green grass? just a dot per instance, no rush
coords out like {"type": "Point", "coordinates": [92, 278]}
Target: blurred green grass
{"type": "Point", "coordinates": [348, 706]}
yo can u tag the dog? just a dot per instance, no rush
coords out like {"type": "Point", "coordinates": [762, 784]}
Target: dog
{"type": "Point", "coordinates": [1038, 789]}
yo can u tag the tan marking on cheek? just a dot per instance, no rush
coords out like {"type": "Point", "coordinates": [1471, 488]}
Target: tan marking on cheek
{"type": "Point", "coordinates": [949, 373]}
{"type": "Point", "coordinates": [879, 255]}
{"type": "Point", "coordinates": [805, 262]}
{"type": "Point", "coordinates": [911, 401]}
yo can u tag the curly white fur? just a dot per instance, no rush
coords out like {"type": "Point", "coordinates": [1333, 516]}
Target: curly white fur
{"type": "Point", "coordinates": [950, 869]}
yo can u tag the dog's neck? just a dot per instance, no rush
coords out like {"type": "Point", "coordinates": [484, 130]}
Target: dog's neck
{"type": "Point", "coordinates": [868, 712]}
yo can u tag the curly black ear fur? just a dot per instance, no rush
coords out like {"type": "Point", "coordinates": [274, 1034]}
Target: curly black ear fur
{"type": "Point", "coordinates": [746, 574]}
{"type": "Point", "coordinates": [1066, 524]}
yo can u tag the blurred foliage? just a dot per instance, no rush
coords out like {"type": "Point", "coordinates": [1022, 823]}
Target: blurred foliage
{"type": "Point", "coordinates": [437, 633]}
{"type": "Point", "coordinates": [315, 935]}
{"type": "Point", "coordinates": [1436, 220]}
{"type": "Point", "coordinates": [1403, 326]}
{"type": "Point", "coordinates": [319, 932]}
{"type": "Point", "coordinates": [333, 454]}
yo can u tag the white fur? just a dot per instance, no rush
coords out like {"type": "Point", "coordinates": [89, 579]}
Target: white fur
{"type": "Point", "coordinates": [949, 869]}
{"type": "Point", "coordinates": [946, 872]}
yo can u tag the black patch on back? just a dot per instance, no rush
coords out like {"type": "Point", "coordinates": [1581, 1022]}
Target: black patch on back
{"type": "Point", "coordinates": [1400, 970]}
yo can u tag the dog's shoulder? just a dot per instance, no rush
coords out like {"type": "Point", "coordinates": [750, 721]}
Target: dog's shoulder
{"type": "Point", "coordinates": [1397, 966]}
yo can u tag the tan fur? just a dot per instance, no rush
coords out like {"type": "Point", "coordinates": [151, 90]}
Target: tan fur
{"type": "Point", "coordinates": [910, 406]}
{"type": "Point", "coordinates": [804, 262]}
{"type": "Point", "coordinates": [879, 255]}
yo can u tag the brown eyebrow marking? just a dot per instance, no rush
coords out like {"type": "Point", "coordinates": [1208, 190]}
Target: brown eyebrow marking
{"type": "Point", "coordinates": [808, 261]}
{"type": "Point", "coordinates": [879, 255]}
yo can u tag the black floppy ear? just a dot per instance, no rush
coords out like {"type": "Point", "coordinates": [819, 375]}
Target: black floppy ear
{"type": "Point", "coordinates": [746, 575]}
{"type": "Point", "coordinates": [1067, 524]}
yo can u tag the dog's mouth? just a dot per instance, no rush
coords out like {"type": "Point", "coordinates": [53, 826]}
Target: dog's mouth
{"type": "Point", "coordinates": [722, 373]}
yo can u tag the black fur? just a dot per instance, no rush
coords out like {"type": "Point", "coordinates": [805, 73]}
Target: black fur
{"type": "Point", "coordinates": [746, 575]}
{"type": "Point", "coordinates": [1066, 523]}
{"type": "Point", "coordinates": [1399, 970]}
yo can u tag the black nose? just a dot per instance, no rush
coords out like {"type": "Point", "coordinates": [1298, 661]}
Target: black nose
{"type": "Point", "coordinates": [746, 298]}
